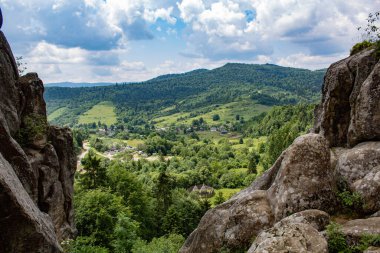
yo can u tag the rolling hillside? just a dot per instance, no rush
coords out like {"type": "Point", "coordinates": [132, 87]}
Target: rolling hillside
{"type": "Point", "coordinates": [197, 92]}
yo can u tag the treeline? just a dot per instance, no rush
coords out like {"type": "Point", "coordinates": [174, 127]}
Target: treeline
{"type": "Point", "coordinates": [281, 125]}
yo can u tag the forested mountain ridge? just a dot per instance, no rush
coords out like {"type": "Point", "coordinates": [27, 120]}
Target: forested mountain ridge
{"type": "Point", "coordinates": [267, 84]}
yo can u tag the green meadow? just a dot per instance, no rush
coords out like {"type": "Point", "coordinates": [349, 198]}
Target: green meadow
{"type": "Point", "coordinates": [103, 112]}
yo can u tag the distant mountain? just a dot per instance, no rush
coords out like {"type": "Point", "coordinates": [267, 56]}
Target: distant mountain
{"type": "Point", "coordinates": [196, 90]}
{"type": "Point", "coordinates": [76, 85]}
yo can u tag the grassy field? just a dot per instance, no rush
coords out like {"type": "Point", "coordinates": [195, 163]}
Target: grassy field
{"type": "Point", "coordinates": [135, 142]}
{"type": "Point", "coordinates": [246, 108]}
{"type": "Point", "coordinates": [103, 112]}
{"type": "Point", "coordinates": [251, 143]}
{"type": "Point", "coordinates": [57, 113]}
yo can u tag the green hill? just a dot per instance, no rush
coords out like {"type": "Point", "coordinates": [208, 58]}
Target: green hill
{"type": "Point", "coordinates": [198, 92]}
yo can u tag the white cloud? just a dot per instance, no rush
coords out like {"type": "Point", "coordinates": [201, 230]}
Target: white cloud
{"type": "Point", "coordinates": [45, 53]}
{"type": "Point", "coordinates": [313, 62]}
{"type": "Point", "coordinates": [56, 64]}
{"type": "Point", "coordinates": [190, 9]}
{"type": "Point", "coordinates": [221, 29]}
{"type": "Point", "coordinates": [165, 14]}
{"type": "Point", "coordinates": [91, 39]}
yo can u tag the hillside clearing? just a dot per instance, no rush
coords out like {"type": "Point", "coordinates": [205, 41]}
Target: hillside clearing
{"type": "Point", "coordinates": [103, 112]}
{"type": "Point", "coordinates": [57, 113]}
{"type": "Point", "coordinates": [245, 108]}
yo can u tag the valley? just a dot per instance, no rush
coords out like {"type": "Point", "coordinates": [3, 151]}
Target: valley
{"type": "Point", "coordinates": [189, 126]}
{"type": "Point", "coordinates": [181, 154]}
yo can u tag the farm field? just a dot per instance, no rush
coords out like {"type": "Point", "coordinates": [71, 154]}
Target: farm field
{"type": "Point", "coordinates": [103, 112]}
{"type": "Point", "coordinates": [246, 108]}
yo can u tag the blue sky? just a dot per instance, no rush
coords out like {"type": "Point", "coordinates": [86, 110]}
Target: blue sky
{"type": "Point", "coordinates": [134, 40]}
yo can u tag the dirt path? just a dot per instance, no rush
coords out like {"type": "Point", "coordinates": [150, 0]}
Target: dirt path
{"type": "Point", "coordinates": [85, 149]}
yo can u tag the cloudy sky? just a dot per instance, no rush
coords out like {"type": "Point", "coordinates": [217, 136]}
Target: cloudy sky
{"type": "Point", "coordinates": [134, 40]}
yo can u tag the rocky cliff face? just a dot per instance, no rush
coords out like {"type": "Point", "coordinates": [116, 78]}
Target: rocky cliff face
{"type": "Point", "coordinates": [37, 165]}
{"type": "Point", "coordinates": [288, 207]}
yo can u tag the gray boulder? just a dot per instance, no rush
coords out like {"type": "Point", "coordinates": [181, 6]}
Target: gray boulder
{"type": "Point", "coordinates": [355, 229]}
{"type": "Point", "coordinates": [360, 168]}
{"type": "Point", "coordinates": [349, 110]}
{"type": "Point", "coordinates": [315, 218]}
{"type": "Point", "coordinates": [290, 237]}
{"type": "Point", "coordinates": [365, 110]}
{"type": "Point", "coordinates": [232, 224]}
{"type": "Point", "coordinates": [305, 179]}
{"type": "Point", "coordinates": [24, 228]}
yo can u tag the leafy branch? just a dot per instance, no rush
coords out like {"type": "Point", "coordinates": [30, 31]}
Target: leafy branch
{"type": "Point", "coordinates": [372, 29]}
{"type": "Point", "coordinates": [21, 65]}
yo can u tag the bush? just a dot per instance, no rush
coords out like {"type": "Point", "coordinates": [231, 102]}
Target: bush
{"type": "Point", "coordinates": [350, 200]}
{"type": "Point", "coordinates": [360, 47]}
{"type": "Point", "coordinates": [366, 241]}
{"type": "Point", "coordinates": [215, 117]}
{"type": "Point", "coordinates": [336, 240]}
{"type": "Point", "coordinates": [33, 127]}
{"type": "Point", "coordinates": [166, 244]}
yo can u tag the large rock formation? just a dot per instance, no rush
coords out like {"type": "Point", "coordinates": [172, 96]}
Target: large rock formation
{"type": "Point", "coordinates": [350, 111]}
{"type": "Point", "coordinates": [344, 149]}
{"type": "Point", "coordinates": [37, 165]}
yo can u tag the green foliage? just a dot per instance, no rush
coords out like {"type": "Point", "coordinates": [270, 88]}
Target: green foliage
{"type": "Point", "coordinates": [253, 161]}
{"type": "Point", "coordinates": [125, 234]}
{"type": "Point", "coordinates": [215, 117]}
{"type": "Point", "coordinates": [103, 112]}
{"type": "Point", "coordinates": [163, 188]}
{"type": "Point", "coordinates": [138, 103]}
{"type": "Point", "coordinates": [152, 192]}
{"type": "Point", "coordinates": [361, 46]}
{"type": "Point", "coordinates": [371, 35]}
{"type": "Point", "coordinates": [33, 127]}
{"type": "Point", "coordinates": [94, 173]}
{"type": "Point", "coordinates": [166, 244]}
{"type": "Point", "coordinates": [82, 244]}
{"type": "Point", "coordinates": [135, 196]}
{"type": "Point", "coordinates": [98, 214]}
{"type": "Point", "coordinates": [79, 135]}
{"type": "Point", "coordinates": [282, 125]}
{"type": "Point", "coordinates": [219, 199]}
{"type": "Point", "coordinates": [157, 145]}
{"type": "Point", "coordinates": [350, 200]}
{"type": "Point", "coordinates": [269, 100]}
{"type": "Point", "coordinates": [184, 213]}
{"type": "Point", "coordinates": [336, 240]}
{"type": "Point", "coordinates": [366, 241]}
